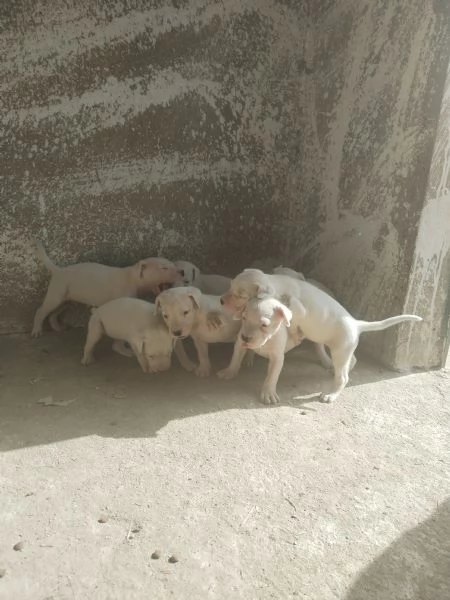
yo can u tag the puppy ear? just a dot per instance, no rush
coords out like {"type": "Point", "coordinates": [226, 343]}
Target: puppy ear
{"type": "Point", "coordinates": [283, 313]}
{"type": "Point", "coordinates": [195, 295]}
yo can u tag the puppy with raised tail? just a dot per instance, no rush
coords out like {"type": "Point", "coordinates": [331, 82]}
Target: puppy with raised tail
{"type": "Point", "coordinates": [136, 322]}
{"type": "Point", "coordinates": [188, 312]}
{"type": "Point", "coordinates": [318, 317]}
{"type": "Point", "coordinates": [94, 284]}
{"type": "Point", "coordinates": [208, 284]}
{"type": "Point", "coordinates": [253, 283]}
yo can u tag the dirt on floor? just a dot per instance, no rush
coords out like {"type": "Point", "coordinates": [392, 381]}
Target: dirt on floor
{"type": "Point", "coordinates": [103, 466]}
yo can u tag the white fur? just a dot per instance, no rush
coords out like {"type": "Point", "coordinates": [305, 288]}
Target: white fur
{"type": "Point", "coordinates": [208, 284]}
{"type": "Point", "coordinates": [94, 284]}
{"type": "Point", "coordinates": [188, 312]}
{"type": "Point", "coordinates": [136, 322]}
{"type": "Point", "coordinates": [315, 315]}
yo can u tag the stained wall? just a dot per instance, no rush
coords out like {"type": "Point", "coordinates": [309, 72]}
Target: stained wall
{"type": "Point", "coordinates": [308, 133]}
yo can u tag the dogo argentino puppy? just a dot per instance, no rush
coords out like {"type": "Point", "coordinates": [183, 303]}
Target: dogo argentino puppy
{"type": "Point", "coordinates": [208, 284]}
{"type": "Point", "coordinates": [297, 275]}
{"type": "Point", "coordinates": [267, 329]}
{"type": "Point", "coordinates": [94, 284]}
{"type": "Point", "coordinates": [186, 313]}
{"type": "Point", "coordinates": [253, 283]}
{"type": "Point", "coordinates": [134, 321]}
{"type": "Point", "coordinates": [318, 317]}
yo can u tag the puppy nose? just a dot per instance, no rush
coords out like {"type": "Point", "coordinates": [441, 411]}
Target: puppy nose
{"type": "Point", "coordinates": [222, 301]}
{"type": "Point", "coordinates": [177, 333]}
{"type": "Point", "coordinates": [245, 338]}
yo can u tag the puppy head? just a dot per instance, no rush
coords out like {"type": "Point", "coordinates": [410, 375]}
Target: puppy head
{"type": "Point", "coordinates": [157, 349]}
{"type": "Point", "coordinates": [177, 307]}
{"type": "Point", "coordinates": [188, 272]}
{"type": "Point", "coordinates": [261, 319]}
{"type": "Point", "coordinates": [251, 283]}
{"type": "Point", "coordinates": [153, 272]}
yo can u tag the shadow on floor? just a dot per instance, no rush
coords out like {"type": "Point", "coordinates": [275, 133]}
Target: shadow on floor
{"type": "Point", "coordinates": [414, 567]}
{"type": "Point", "coordinates": [114, 398]}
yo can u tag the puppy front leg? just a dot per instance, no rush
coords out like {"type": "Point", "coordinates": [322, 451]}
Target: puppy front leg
{"type": "Point", "coordinates": [269, 390]}
{"type": "Point", "coordinates": [183, 358]}
{"type": "Point", "coordinates": [204, 368]}
{"type": "Point", "coordinates": [138, 350]}
{"type": "Point", "coordinates": [236, 361]}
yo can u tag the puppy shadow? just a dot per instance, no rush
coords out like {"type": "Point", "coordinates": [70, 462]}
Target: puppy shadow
{"type": "Point", "coordinates": [47, 395]}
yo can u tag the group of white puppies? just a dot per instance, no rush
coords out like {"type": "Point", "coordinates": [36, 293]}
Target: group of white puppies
{"type": "Point", "coordinates": [266, 314]}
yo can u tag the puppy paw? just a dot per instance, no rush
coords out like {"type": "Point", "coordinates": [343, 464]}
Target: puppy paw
{"type": "Point", "coordinates": [328, 398]}
{"type": "Point", "coordinates": [227, 373]}
{"type": "Point", "coordinates": [87, 360]}
{"type": "Point", "coordinates": [269, 396]}
{"type": "Point", "coordinates": [203, 371]}
{"type": "Point", "coordinates": [36, 333]}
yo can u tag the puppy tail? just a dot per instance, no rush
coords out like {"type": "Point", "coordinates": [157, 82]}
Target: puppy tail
{"type": "Point", "coordinates": [43, 257]}
{"type": "Point", "coordinates": [380, 325]}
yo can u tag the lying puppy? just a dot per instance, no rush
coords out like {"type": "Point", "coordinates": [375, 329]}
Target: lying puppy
{"type": "Point", "coordinates": [94, 284]}
{"type": "Point", "coordinates": [297, 275]}
{"type": "Point", "coordinates": [186, 313]}
{"type": "Point", "coordinates": [319, 318]}
{"type": "Point", "coordinates": [253, 283]}
{"type": "Point", "coordinates": [136, 322]}
{"type": "Point", "coordinates": [207, 284]}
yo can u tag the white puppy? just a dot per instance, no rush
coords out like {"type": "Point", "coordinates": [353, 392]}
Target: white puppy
{"type": "Point", "coordinates": [136, 322]}
{"type": "Point", "coordinates": [253, 283]}
{"type": "Point", "coordinates": [268, 331]}
{"type": "Point", "coordinates": [186, 313]}
{"type": "Point", "coordinates": [207, 284]}
{"type": "Point", "coordinates": [318, 317]}
{"type": "Point", "coordinates": [297, 275]}
{"type": "Point", "coordinates": [94, 284]}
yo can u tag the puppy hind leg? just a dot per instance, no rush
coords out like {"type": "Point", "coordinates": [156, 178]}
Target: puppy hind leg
{"type": "Point", "coordinates": [94, 335]}
{"type": "Point", "coordinates": [54, 298]}
{"type": "Point", "coordinates": [342, 359]}
{"type": "Point", "coordinates": [321, 352]}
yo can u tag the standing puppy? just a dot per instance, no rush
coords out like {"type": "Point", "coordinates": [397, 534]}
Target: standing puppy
{"type": "Point", "coordinates": [207, 284]}
{"type": "Point", "coordinates": [136, 322]}
{"type": "Point", "coordinates": [268, 331]}
{"type": "Point", "coordinates": [320, 318]}
{"type": "Point", "coordinates": [186, 312]}
{"type": "Point", "coordinates": [253, 283]}
{"type": "Point", "coordinates": [94, 284]}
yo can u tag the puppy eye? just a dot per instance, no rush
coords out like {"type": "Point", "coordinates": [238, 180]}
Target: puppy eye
{"type": "Point", "coordinates": [264, 325]}
{"type": "Point", "coordinates": [165, 316]}
{"type": "Point", "coordinates": [164, 268]}
{"type": "Point", "coordinates": [186, 312]}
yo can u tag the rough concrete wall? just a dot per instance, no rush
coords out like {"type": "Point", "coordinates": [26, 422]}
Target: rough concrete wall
{"type": "Point", "coordinates": [375, 92]}
{"type": "Point", "coordinates": [429, 285]}
{"type": "Point", "coordinates": [134, 128]}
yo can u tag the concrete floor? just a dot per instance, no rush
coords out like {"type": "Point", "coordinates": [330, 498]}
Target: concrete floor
{"type": "Point", "coordinates": [304, 500]}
